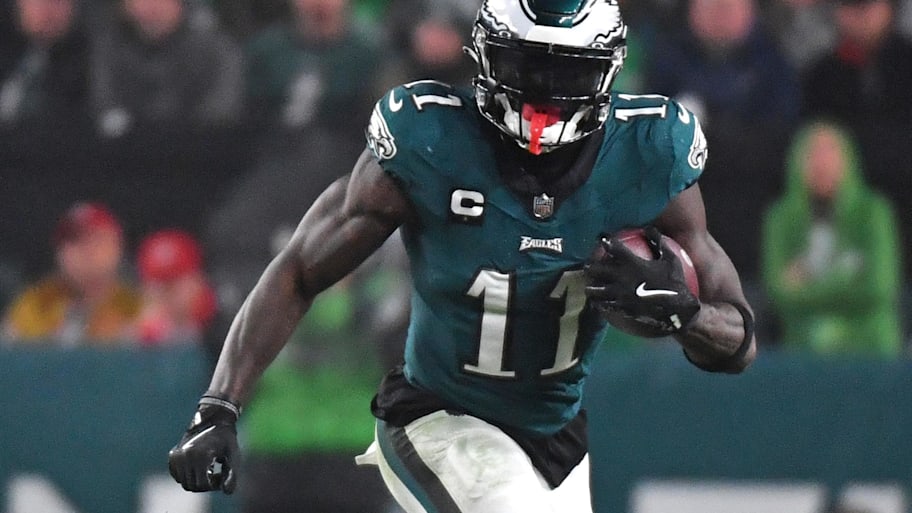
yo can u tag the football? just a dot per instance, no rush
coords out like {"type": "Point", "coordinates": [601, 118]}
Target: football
{"type": "Point", "coordinates": [635, 241]}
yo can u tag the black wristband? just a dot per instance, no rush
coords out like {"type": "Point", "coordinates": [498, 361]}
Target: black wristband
{"type": "Point", "coordinates": [731, 361]}
{"type": "Point", "coordinates": [224, 403]}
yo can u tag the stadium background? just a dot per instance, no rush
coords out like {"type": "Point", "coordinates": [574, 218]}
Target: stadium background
{"type": "Point", "coordinates": [798, 433]}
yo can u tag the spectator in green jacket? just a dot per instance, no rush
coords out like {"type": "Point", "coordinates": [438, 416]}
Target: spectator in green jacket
{"type": "Point", "coordinates": [831, 263]}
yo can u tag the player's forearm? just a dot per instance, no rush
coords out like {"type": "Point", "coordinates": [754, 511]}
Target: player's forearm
{"type": "Point", "coordinates": [715, 338]}
{"type": "Point", "coordinates": [348, 222]}
{"type": "Point", "coordinates": [260, 329]}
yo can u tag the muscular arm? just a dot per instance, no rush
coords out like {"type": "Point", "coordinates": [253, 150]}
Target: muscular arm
{"type": "Point", "coordinates": [347, 223]}
{"type": "Point", "coordinates": [718, 330]}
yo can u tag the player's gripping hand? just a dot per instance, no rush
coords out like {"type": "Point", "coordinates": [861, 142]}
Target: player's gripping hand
{"type": "Point", "coordinates": [652, 292]}
{"type": "Point", "coordinates": [205, 458]}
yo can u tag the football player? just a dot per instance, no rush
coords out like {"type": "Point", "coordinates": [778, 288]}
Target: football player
{"type": "Point", "coordinates": [503, 193]}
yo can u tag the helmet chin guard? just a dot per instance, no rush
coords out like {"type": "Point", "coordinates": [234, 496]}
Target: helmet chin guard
{"type": "Point", "coordinates": [544, 76]}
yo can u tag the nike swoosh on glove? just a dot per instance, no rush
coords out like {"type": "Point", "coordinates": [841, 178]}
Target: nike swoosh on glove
{"type": "Point", "coordinates": [652, 292]}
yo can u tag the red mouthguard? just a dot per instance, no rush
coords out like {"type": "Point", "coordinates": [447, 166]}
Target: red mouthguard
{"type": "Point", "coordinates": [539, 117]}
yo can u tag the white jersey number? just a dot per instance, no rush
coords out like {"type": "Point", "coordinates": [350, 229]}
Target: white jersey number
{"type": "Point", "coordinates": [496, 290]}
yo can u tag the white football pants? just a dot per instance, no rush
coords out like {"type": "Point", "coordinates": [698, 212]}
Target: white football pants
{"type": "Point", "coordinates": [443, 463]}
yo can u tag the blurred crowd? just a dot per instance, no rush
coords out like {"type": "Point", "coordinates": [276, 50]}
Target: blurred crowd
{"type": "Point", "coordinates": [155, 154]}
{"type": "Point", "coordinates": [88, 299]}
{"type": "Point", "coordinates": [220, 122]}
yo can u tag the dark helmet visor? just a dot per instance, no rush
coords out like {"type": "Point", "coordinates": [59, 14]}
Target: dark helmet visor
{"type": "Point", "coordinates": [538, 73]}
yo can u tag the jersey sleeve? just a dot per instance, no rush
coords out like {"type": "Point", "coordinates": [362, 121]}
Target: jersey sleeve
{"type": "Point", "coordinates": [402, 128]}
{"type": "Point", "coordinates": [670, 144]}
{"type": "Point", "coordinates": [384, 138]}
{"type": "Point", "coordinates": [688, 148]}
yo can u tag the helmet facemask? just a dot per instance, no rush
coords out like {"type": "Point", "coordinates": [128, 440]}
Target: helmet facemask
{"type": "Point", "coordinates": [543, 95]}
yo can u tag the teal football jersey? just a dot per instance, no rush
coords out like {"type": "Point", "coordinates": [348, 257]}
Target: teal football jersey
{"type": "Point", "coordinates": [499, 323]}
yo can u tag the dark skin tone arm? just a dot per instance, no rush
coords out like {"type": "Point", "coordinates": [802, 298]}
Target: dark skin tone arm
{"type": "Point", "coordinates": [348, 222]}
{"type": "Point", "coordinates": [718, 330]}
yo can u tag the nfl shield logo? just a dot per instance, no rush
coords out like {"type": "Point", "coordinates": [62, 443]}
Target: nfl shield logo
{"type": "Point", "coordinates": [543, 206]}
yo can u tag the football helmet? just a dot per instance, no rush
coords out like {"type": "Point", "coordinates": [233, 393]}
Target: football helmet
{"type": "Point", "coordinates": [545, 67]}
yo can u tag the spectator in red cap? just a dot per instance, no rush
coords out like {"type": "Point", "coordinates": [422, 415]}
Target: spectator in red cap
{"type": "Point", "coordinates": [83, 301]}
{"type": "Point", "coordinates": [178, 302]}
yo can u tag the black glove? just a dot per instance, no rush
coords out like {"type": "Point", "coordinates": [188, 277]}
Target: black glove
{"type": "Point", "coordinates": [206, 455]}
{"type": "Point", "coordinates": [652, 292]}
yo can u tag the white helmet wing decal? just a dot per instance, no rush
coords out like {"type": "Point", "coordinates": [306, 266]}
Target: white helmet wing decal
{"type": "Point", "coordinates": [503, 16]}
{"type": "Point", "coordinates": [596, 24]}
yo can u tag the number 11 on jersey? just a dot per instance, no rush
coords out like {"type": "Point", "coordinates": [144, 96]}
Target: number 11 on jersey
{"type": "Point", "coordinates": [496, 289]}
